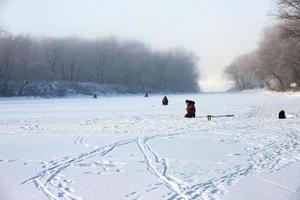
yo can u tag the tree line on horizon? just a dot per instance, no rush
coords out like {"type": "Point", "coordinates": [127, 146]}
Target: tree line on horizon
{"type": "Point", "coordinates": [102, 61]}
{"type": "Point", "coordinates": [275, 64]}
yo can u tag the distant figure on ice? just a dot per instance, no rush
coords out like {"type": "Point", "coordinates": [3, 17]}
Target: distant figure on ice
{"type": "Point", "coordinates": [165, 101]}
{"type": "Point", "coordinates": [190, 108]}
{"type": "Point", "coordinates": [146, 95]}
{"type": "Point", "coordinates": [281, 115]}
{"type": "Point", "coordinates": [95, 96]}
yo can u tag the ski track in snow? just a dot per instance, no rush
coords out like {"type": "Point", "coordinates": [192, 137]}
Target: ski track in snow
{"type": "Point", "coordinates": [45, 180]}
{"type": "Point", "coordinates": [272, 156]}
{"type": "Point", "coordinates": [159, 168]}
{"type": "Point", "coordinates": [279, 186]}
{"type": "Point", "coordinates": [270, 151]}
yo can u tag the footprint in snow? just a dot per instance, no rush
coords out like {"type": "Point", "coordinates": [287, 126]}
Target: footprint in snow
{"type": "Point", "coordinates": [233, 154]}
{"type": "Point", "coordinates": [61, 194]}
{"type": "Point", "coordinates": [133, 195]}
{"type": "Point", "coordinates": [151, 189]}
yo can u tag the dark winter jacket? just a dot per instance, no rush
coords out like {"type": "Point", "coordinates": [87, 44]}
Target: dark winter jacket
{"type": "Point", "coordinates": [165, 101]}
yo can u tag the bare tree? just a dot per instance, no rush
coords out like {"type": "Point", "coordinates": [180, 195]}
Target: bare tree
{"type": "Point", "coordinates": [104, 61]}
{"type": "Point", "coordinates": [289, 14]}
{"type": "Point", "coordinates": [276, 63]}
{"type": "Point", "coordinates": [242, 71]}
{"type": "Point", "coordinates": [277, 60]}
{"type": "Point", "coordinates": [8, 61]}
{"type": "Point", "coordinates": [51, 53]}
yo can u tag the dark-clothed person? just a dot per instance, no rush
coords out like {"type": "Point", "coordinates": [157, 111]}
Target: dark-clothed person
{"type": "Point", "coordinates": [165, 101]}
{"type": "Point", "coordinates": [281, 115]}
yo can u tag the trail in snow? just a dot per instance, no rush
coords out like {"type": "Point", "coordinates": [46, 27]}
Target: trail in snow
{"type": "Point", "coordinates": [274, 156]}
{"type": "Point", "coordinates": [44, 180]}
{"type": "Point", "coordinates": [269, 145]}
{"type": "Point", "coordinates": [269, 157]}
{"type": "Point", "coordinates": [159, 168]}
{"type": "Point", "coordinates": [280, 186]}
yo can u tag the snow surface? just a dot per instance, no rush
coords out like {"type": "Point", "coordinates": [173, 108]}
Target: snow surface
{"type": "Point", "coordinates": [131, 147]}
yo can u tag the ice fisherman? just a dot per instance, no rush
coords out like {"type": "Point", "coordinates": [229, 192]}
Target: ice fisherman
{"type": "Point", "coordinates": [281, 115]}
{"type": "Point", "coordinates": [190, 108]}
{"type": "Point", "coordinates": [165, 101]}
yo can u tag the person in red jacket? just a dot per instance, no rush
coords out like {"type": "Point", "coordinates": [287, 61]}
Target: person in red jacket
{"type": "Point", "coordinates": [191, 109]}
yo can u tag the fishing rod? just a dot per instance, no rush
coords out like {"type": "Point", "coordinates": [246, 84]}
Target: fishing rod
{"type": "Point", "coordinates": [209, 117]}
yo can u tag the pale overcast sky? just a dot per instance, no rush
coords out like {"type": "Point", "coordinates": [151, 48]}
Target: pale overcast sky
{"type": "Point", "coordinates": [216, 31]}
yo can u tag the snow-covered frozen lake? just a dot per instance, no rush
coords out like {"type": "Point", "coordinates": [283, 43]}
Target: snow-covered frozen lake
{"type": "Point", "coordinates": [131, 147]}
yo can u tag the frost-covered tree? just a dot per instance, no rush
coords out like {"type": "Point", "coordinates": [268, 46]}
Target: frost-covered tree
{"type": "Point", "coordinates": [104, 61]}
{"type": "Point", "coordinates": [276, 63]}
{"type": "Point", "coordinates": [242, 72]}
{"type": "Point", "coordinates": [288, 13]}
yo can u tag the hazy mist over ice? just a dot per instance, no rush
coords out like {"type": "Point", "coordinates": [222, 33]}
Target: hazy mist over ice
{"type": "Point", "coordinates": [216, 31]}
